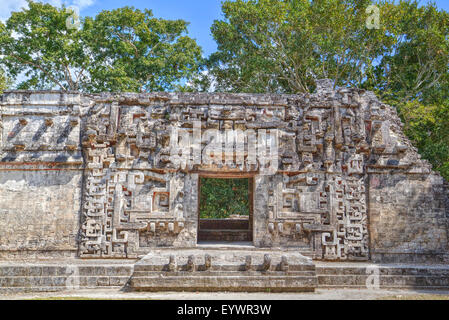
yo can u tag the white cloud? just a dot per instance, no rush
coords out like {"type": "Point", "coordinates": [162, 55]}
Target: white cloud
{"type": "Point", "coordinates": [81, 4]}
{"type": "Point", "coordinates": [8, 6]}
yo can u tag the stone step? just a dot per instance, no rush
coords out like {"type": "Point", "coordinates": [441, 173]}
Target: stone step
{"type": "Point", "coordinates": [237, 267]}
{"type": "Point", "coordinates": [224, 273]}
{"type": "Point", "coordinates": [51, 270]}
{"type": "Point", "coordinates": [50, 277]}
{"type": "Point", "coordinates": [384, 281]}
{"type": "Point", "coordinates": [221, 270]}
{"type": "Point", "coordinates": [217, 224]}
{"type": "Point", "coordinates": [384, 270]}
{"type": "Point", "coordinates": [224, 235]}
{"type": "Point", "coordinates": [63, 281]}
{"type": "Point", "coordinates": [225, 283]}
{"type": "Point", "coordinates": [389, 277]}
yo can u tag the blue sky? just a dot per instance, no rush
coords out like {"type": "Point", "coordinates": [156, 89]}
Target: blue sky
{"type": "Point", "coordinates": [200, 13]}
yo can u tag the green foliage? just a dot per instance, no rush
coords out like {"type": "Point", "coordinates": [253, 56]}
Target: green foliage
{"type": "Point", "coordinates": [221, 198]}
{"type": "Point", "coordinates": [415, 66]}
{"type": "Point", "coordinates": [279, 46]}
{"type": "Point", "coordinates": [284, 46]}
{"type": "Point", "coordinates": [37, 43]}
{"type": "Point", "coordinates": [3, 81]}
{"type": "Point", "coordinates": [428, 127]}
{"type": "Point", "coordinates": [136, 52]}
{"type": "Point", "coordinates": [119, 50]}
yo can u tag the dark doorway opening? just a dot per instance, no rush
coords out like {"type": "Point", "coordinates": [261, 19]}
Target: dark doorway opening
{"type": "Point", "coordinates": [225, 209]}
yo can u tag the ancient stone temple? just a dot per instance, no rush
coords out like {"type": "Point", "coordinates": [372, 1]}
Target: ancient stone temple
{"type": "Point", "coordinates": [116, 176]}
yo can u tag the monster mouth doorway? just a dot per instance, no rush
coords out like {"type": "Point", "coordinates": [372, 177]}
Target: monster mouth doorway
{"type": "Point", "coordinates": [225, 209]}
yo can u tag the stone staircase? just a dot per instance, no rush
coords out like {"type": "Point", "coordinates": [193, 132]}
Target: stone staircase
{"type": "Point", "coordinates": [212, 267]}
{"type": "Point", "coordinates": [209, 269]}
{"type": "Point", "coordinates": [229, 235]}
{"type": "Point", "coordinates": [53, 276]}
{"type": "Point", "coordinates": [391, 276]}
{"type": "Point", "coordinates": [229, 230]}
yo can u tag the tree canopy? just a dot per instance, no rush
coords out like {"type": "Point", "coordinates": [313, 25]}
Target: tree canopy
{"type": "Point", "coordinates": [285, 45]}
{"type": "Point", "coordinates": [3, 81]}
{"type": "Point", "coordinates": [119, 50]}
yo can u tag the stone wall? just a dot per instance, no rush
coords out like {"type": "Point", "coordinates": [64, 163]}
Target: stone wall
{"type": "Point", "coordinates": [40, 174]}
{"type": "Point", "coordinates": [95, 173]}
{"type": "Point", "coordinates": [39, 211]}
{"type": "Point", "coordinates": [408, 218]}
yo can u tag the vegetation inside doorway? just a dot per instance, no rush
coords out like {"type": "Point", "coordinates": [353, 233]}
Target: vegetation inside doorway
{"type": "Point", "coordinates": [224, 198]}
{"type": "Point", "coordinates": [225, 210]}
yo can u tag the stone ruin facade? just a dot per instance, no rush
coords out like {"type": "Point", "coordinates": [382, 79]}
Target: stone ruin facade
{"type": "Point", "coordinates": [90, 175]}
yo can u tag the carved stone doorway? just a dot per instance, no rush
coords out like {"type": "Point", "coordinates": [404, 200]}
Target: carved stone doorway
{"type": "Point", "coordinates": [230, 217]}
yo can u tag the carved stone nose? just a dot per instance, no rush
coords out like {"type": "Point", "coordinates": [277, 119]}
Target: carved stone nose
{"type": "Point", "coordinates": [207, 262]}
{"type": "Point", "coordinates": [266, 262]}
{"type": "Point", "coordinates": [190, 263]}
{"type": "Point", "coordinates": [172, 263]}
{"type": "Point", "coordinates": [248, 262]}
{"type": "Point", "coordinates": [284, 264]}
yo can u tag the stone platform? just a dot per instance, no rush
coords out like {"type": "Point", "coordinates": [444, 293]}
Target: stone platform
{"type": "Point", "coordinates": [221, 269]}
{"type": "Point", "coordinates": [332, 275]}
{"type": "Point", "coordinates": [227, 272]}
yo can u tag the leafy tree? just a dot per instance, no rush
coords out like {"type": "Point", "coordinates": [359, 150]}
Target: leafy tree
{"type": "Point", "coordinates": [133, 51]}
{"type": "Point", "coordinates": [413, 75]}
{"type": "Point", "coordinates": [415, 66]}
{"type": "Point", "coordinates": [221, 198]}
{"type": "Point", "coordinates": [284, 46]}
{"type": "Point", "coordinates": [119, 50]}
{"type": "Point", "coordinates": [2, 82]}
{"type": "Point", "coordinates": [428, 127]}
{"type": "Point", "coordinates": [37, 45]}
